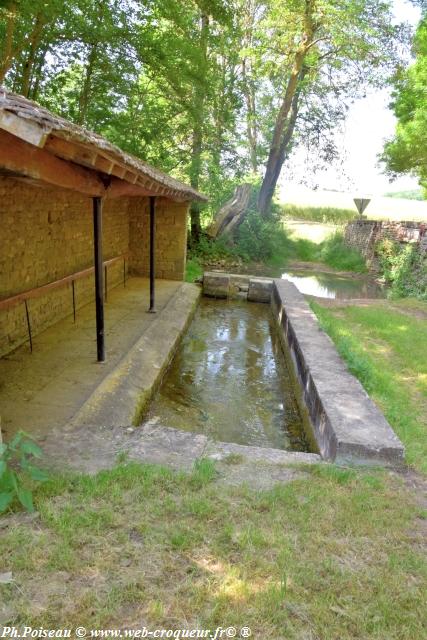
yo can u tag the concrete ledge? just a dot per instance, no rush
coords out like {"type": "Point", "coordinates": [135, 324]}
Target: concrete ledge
{"type": "Point", "coordinates": [347, 425]}
{"type": "Point", "coordinates": [216, 284]}
{"type": "Point", "coordinates": [230, 285]}
{"type": "Point", "coordinates": [260, 289]}
{"type": "Point", "coordinates": [221, 450]}
{"type": "Point", "coordinates": [124, 395]}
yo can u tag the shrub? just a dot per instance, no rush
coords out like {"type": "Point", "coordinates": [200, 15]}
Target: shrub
{"type": "Point", "coordinates": [338, 255]}
{"type": "Point", "coordinates": [404, 267]}
{"type": "Point", "coordinates": [306, 250]}
{"type": "Point", "coordinates": [193, 270]}
{"type": "Point", "coordinates": [211, 249]}
{"type": "Point", "coordinates": [17, 471]}
{"type": "Point", "coordinates": [263, 240]}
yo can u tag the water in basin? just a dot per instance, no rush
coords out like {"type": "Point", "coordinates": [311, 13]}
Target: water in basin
{"type": "Point", "coordinates": [326, 285]}
{"type": "Point", "coordinates": [229, 380]}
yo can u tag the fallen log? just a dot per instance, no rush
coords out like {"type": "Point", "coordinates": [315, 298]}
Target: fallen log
{"type": "Point", "coordinates": [231, 213]}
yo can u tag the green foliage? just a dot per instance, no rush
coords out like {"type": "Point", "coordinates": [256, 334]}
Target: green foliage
{"type": "Point", "coordinates": [404, 267]}
{"type": "Point", "coordinates": [332, 251]}
{"type": "Point", "coordinates": [332, 215]}
{"type": "Point", "coordinates": [17, 471]}
{"type": "Point", "coordinates": [213, 249]}
{"type": "Point", "coordinates": [190, 86]}
{"type": "Point", "coordinates": [262, 240]}
{"type": "Point", "coordinates": [305, 250]}
{"type": "Point", "coordinates": [335, 253]}
{"type": "Point", "coordinates": [407, 151]}
{"type": "Point", "coordinates": [193, 270]}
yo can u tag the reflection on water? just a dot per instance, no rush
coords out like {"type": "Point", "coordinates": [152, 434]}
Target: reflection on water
{"type": "Point", "coordinates": [325, 285]}
{"type": "Point", "coordinates": [229, 380]}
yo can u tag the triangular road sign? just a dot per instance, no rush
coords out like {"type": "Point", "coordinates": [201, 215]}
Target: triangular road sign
{"type": "Point", "coordinates": [361, 204]}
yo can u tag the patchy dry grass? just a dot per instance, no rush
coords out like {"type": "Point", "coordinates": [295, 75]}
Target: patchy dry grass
{"type": "Point", "coordinates": [336, 554]}
{"type": "Point", "coordinates": [385, 346]}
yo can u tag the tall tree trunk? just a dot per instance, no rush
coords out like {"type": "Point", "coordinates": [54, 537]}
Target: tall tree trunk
{"type": "Point", "coordinates": [37, 74]}
{"type": "Point", "coordinates": [85, 92]}
{"type": "Point", "coordinates": [284, 117]}
{"type": "Point", "coordinates": [288, 132]}
{"type": "Point", "coordinates": [34, 41]}
{"type": "Point", "coordinates": [7, 53]}
{"type": "Point", "coordinates": [197, 137]}
{"type": "Point", "coordinates": [251, 124]}
{"type": "Point", "coordinates": [248, 87]}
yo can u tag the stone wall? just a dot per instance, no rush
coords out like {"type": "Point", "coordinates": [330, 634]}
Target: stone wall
{"type": "Point", "coordinates": [47, 234]}
{"type": "Point", "coordinates": [365, 234]}
{"type": "Point", "coordinates": [171, 238]}
{"type": "Point", "coordinates": [346, 425]}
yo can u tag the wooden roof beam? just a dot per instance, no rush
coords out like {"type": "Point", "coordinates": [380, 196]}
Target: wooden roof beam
{"type": "Point", "coordinates": [28, 160]}
{"type": "Point", "coordinates": [119, 188]}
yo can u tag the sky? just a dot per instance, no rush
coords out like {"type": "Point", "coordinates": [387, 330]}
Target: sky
{"type": "Point", "coordinates": [369, 123]}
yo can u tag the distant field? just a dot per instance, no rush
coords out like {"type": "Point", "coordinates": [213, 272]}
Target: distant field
{"type": "Point", "coordinates": [314, 231]}
{"type": "Point", "coordinates": [380, 208]}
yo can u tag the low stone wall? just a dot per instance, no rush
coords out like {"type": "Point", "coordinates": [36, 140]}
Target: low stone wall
{"type": "Point", "coordinates": [229, 285]}
{"type": "Point", "coordinates": [347, 426]}
{"type": "Point", "coordinates": [364, 235]}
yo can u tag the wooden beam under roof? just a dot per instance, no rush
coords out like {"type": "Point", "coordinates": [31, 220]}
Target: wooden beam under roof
{"type": "Point", "coordinates": [119, 188]}
{"type": "Point", "coordinates": [81, 154]}
{"type": "Point", "coordinates": [59, 163]}
{"type": "Point", "coordinates": [25, 159]}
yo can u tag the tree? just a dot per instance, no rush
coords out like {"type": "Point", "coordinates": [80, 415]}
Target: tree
{"type": "Point", "coordinates": [407, 151]}
{"type": "Point", "coordinates": [310, 49]}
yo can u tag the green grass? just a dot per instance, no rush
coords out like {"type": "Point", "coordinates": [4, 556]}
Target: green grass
{"type": "Point", "coordinates": [332, 252]}
{"type": "Point", "coordinates": [387, 351]}
{"type": "Point", "coordinates": [193, 270]}
{"type": "Point", "coordinates": [335, 554]}
{"type": "Point", "coordinates": [332, 215]}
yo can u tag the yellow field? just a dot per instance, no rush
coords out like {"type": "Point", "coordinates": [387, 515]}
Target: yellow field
{"type": "Point", "coordinates": [380, 208]}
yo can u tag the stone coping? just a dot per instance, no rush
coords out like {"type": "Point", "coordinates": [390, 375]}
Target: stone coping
{"type": "Point", "coordinates": [347, 425]}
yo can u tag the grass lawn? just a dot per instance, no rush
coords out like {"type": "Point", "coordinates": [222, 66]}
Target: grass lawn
{"type": "Point", "coordinates": [386, 348]}
{"type": "Point", "coordinates": [334, 555]}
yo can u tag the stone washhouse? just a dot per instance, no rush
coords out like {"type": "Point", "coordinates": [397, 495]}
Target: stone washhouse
{"type": "Point", "coordinates": [71, 202]}
{"type": "Point", "coordinates": [80, 220]}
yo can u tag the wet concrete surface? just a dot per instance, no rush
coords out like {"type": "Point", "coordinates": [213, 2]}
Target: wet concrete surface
{"type": "Point", "coordinates": [45, 389]}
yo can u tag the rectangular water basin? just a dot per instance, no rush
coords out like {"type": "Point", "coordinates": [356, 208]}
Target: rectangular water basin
{"type": "Point", "coordinates": [230, 381]}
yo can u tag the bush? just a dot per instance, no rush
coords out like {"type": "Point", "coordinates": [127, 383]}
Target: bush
{"type": "Point", "coordinates": [318, 214]}
{"type": "Point", "coordinates": [404, 268]}
{"type": "Point", "coordinates": [17, 472]}
{"type": "Point", "coordinates": [262, 240]}
{"type": "Point", "coordinates": [211, 249]}
{"type": "Point", "coordinates": [335, 253]}
{"type": "Point", "coordinates": [193, 270]}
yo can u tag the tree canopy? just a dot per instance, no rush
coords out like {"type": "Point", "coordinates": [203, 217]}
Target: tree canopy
{"type": "Point", "coordinates": [407, 151]}
{"type": "Point", "coordinates": [209, 90]}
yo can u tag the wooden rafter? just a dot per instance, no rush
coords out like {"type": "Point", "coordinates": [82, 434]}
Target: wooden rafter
{"type": "Point", "coordinates": [71, 166]}
{"type": "Point", "coordinates": [28, 160]}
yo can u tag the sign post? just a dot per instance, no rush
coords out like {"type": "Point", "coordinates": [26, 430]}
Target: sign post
{"type": "Point", "coordinates": [361, 204]}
